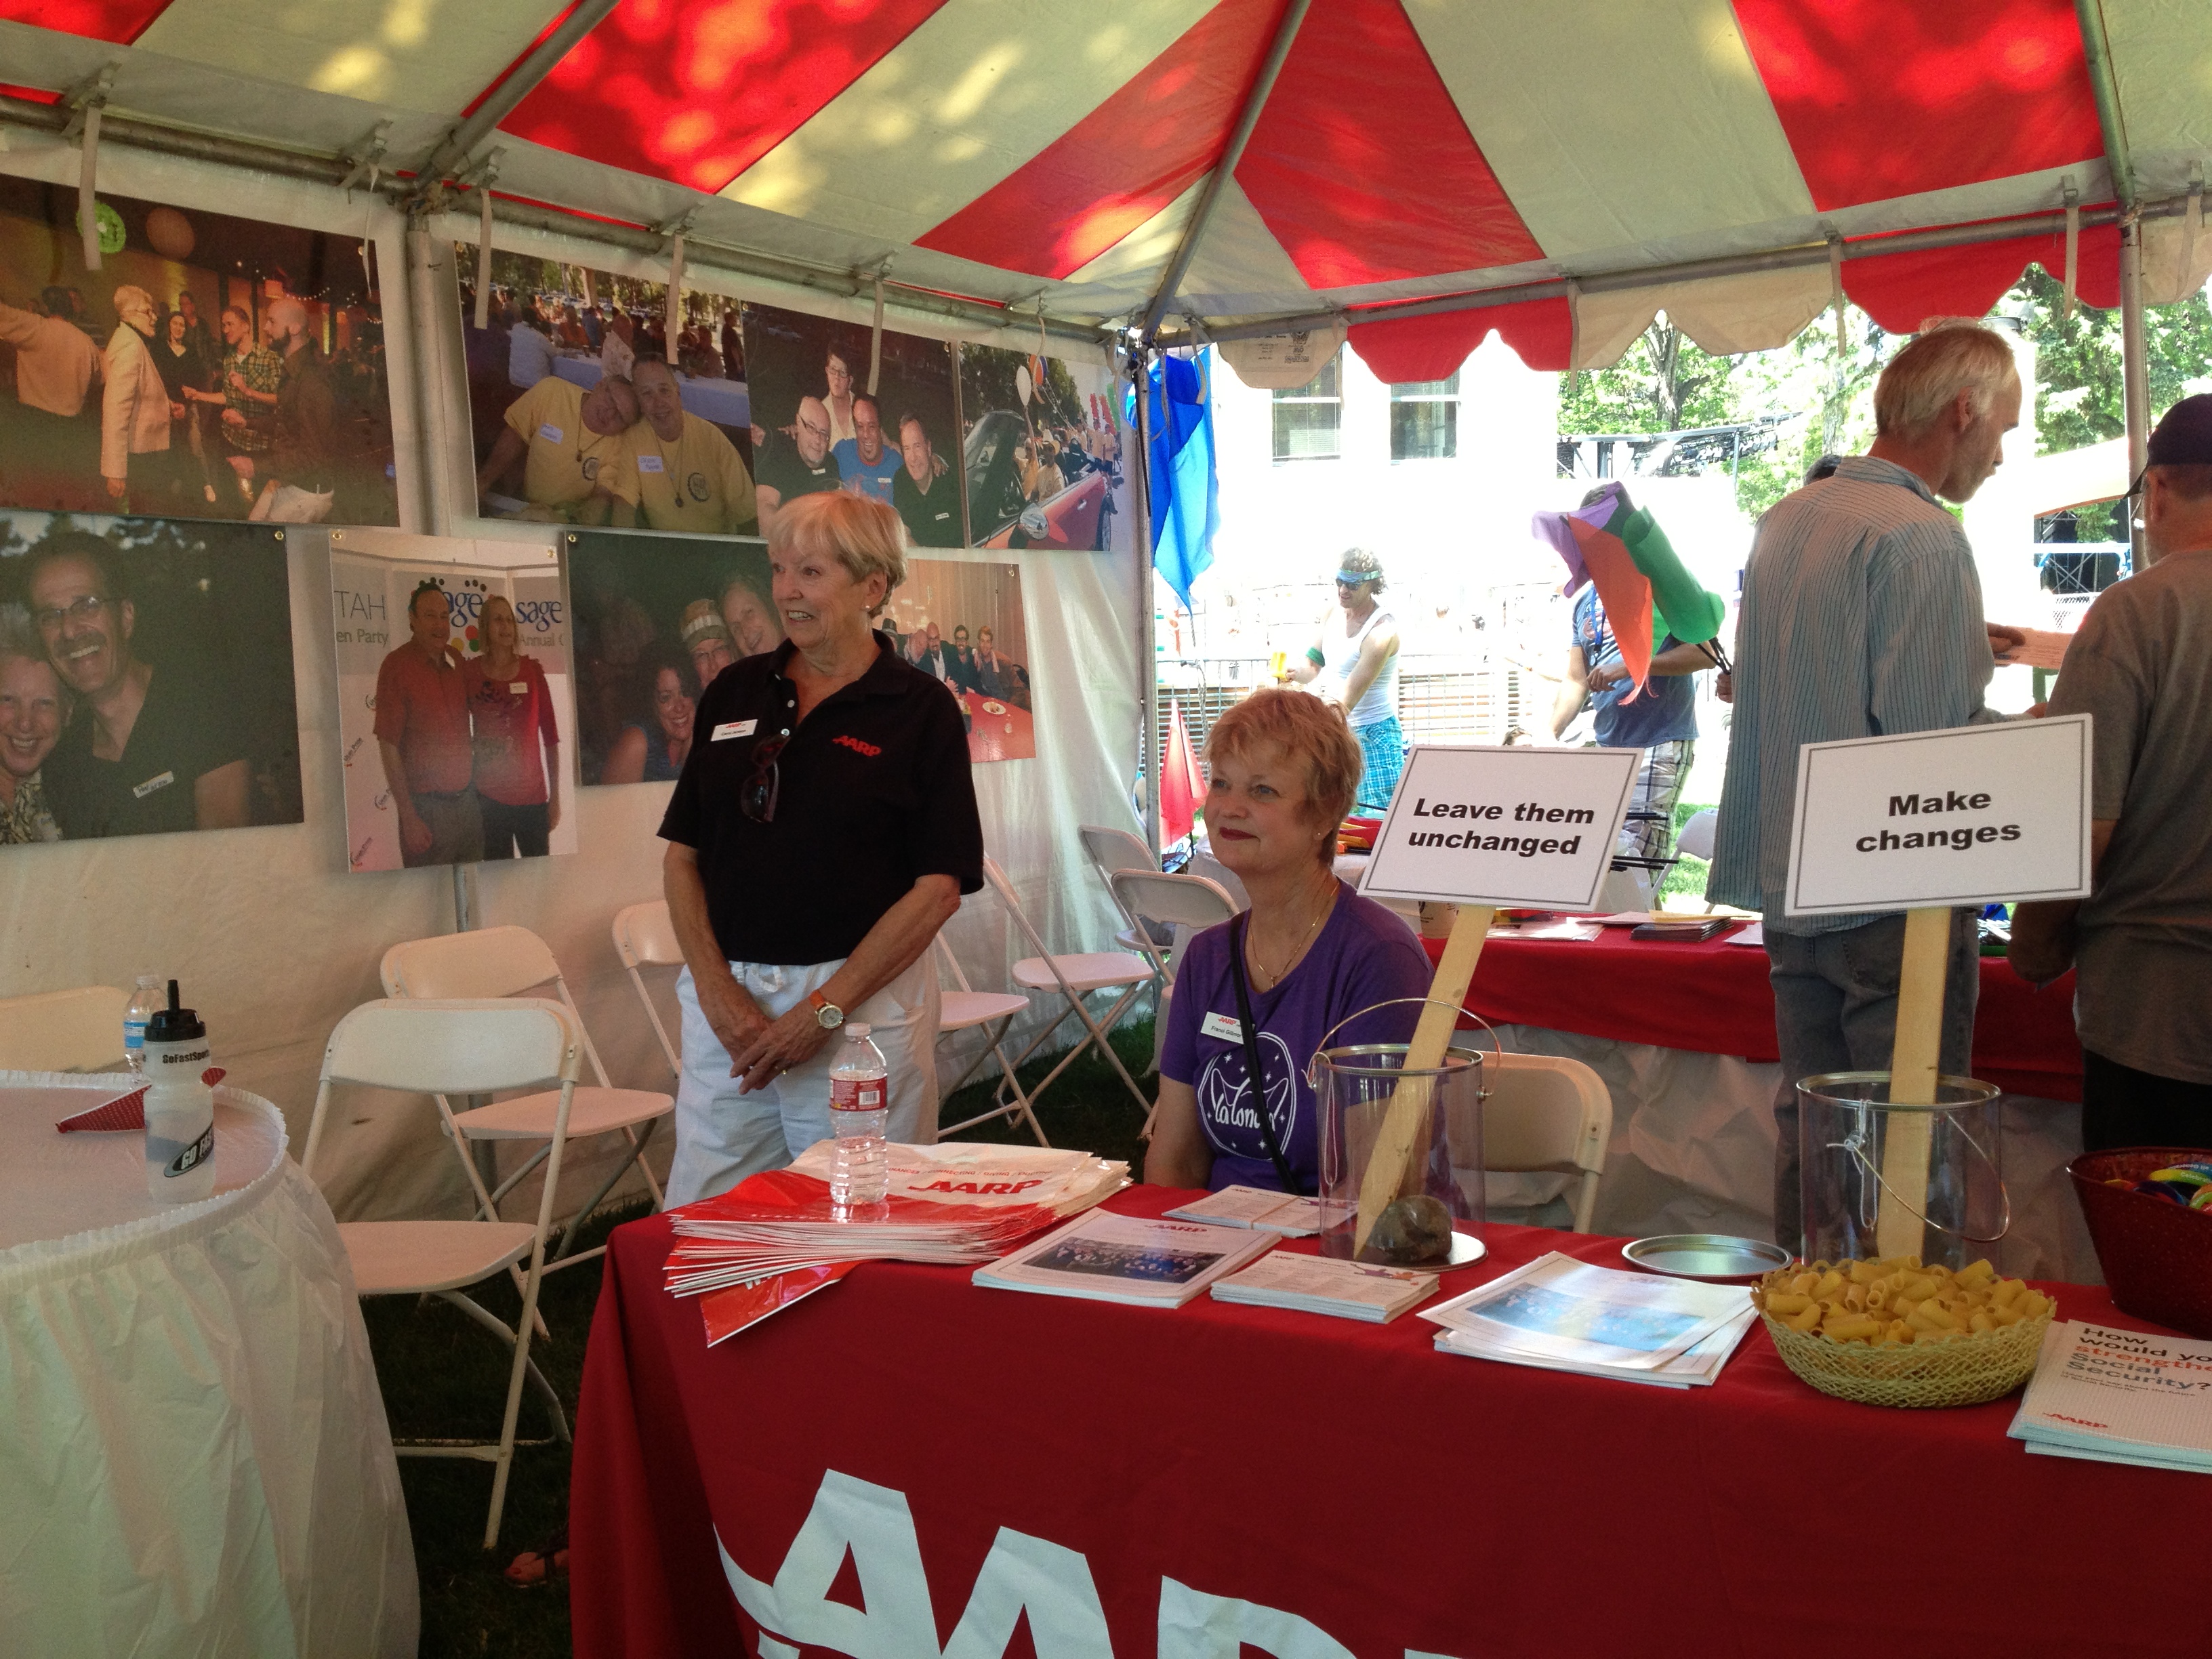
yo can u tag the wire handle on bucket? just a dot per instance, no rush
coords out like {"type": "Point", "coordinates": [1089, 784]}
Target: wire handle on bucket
{"type": "Point", "coordinates": [1856, 1145]}
{"type": "Point", "coordinates": [1313, 1078]}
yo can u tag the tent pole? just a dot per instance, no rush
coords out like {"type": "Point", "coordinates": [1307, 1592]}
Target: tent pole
{"type": "Point", "coordinates": [538, 63]}
{"type": "Point", "coordinates": [2097, 55]}
{"type": "Point", "coordinates": [1148, 672]}
{"type": "Point", "coordinates": [1255, 100]}
{"type": "Point", "coordinates": [2135, 377]}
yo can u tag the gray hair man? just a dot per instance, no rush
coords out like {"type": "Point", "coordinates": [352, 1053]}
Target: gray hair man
{"type": "Point", "coordinates": [1862, 616]}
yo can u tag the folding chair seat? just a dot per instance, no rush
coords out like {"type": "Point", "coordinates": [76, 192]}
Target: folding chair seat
{"type": "Point", "coordinates": [963, 1008]}
{"type": "Point", "coordinates": [504, 961]}
{"type": "Point", "coordinates": [1074, 974]}
{"type": "Point", "coordinates": [439, 1048]}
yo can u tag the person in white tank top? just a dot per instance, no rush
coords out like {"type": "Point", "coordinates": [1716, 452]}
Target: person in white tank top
{"type": "Point", "coordinates": [1353, 663]}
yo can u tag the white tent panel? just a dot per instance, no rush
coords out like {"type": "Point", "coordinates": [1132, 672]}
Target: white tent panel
{"type": "Point", "coordinates": [1751, 312]}
{"type": "Point", "coordinates": [2163, 60]}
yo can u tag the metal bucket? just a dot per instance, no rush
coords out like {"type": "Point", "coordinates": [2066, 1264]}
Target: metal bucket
{"type": "Point", "coordinates": [1430, 1214]}
{"type": "Point", "coordinates": [1846, 1129]}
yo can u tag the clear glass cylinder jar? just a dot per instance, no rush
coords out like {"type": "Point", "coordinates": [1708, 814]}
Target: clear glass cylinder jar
{"type": "Point", "coordinates": [1438, 1190]}
{"type": "Point", "coordinates": [1878, 1178]}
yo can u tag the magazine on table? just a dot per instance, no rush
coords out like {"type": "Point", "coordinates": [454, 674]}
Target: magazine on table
{"type": "Point", "coordinates": [1322, 1284]}
{"type": "Point", "coordinates": [1120, 1258]}
{"type": "Point", "coordinates": [1256, 1207]}
{"type": "Point", "coordinates": [1602, 1320]}
{"type": "Point", "coordinates": [2120, 1396]}
{"type": "Point", "coordinates": [1697, 1366]}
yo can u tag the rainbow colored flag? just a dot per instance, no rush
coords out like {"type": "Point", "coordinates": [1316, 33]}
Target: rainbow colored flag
{"type": "Point", "coordinates": [1640, 579]}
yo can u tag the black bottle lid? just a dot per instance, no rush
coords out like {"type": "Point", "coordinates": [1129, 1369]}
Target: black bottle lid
{"type": "Point", "coordinates": [173, 1024]}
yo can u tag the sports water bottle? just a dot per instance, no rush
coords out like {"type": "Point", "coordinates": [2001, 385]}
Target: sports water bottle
{"type": "Point", "coordinates": [179, 1107]}
{"type": "Point", "coordinates": [860, 1164]}
{"type": "Point", "coordinates": [144, 1000]}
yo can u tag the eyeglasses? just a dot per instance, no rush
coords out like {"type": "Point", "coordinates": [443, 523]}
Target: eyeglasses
{"type": "Point", "coordinates": [82, 608]}
{"type": "Point", "coordinates": [756, 800]}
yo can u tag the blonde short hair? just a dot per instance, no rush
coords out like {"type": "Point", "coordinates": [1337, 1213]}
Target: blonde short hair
{"type": "Point", "coordinates": [864, 536]}
{"type": "Point", "coordinates": [1951, 355]}
{"type": "Point", "coordinates": [1312, 733]}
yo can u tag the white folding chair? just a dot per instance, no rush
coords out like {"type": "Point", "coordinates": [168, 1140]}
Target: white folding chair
{"type": "Point", "coordinates": [439, 1048]}
{"type": "Point", "coordinates": [1188, 904]}
{"type": "Point", "coordinates": [964, 1008]}
{"type": "Point", "coordinates": [505, 962]}
{"type": "Point", "coordinates": [1074, 974]}
{"type": "Point", "coordinates": [645, 937]}
{"type": "Point", "coordinates": [1111, 851]}
{"type": "Point", "coordinates": [79, 1030]}
{"type": "Point", "coordinates": [1547, 1114]}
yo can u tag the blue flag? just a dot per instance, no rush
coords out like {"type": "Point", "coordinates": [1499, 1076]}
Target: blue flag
{"type": "Point", "coordinates": [1185, 494]}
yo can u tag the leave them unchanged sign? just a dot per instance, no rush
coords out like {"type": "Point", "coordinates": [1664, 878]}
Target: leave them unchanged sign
{"type": "Point", "coordinates": [1975, 815]}
{"type": "Point", "coordinates": [1503, 826]}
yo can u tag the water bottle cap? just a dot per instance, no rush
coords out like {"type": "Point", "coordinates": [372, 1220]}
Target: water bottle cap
{"type": "Point", "coordinates": [149, 981]}
{"type": "Point", "coordinates": [174, 1024]}
{"type": "Point", "coordinates": [857, 1030]}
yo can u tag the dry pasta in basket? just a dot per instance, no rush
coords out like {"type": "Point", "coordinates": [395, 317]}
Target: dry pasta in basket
{"type": "Point", "coordinates": [1895, 1300]}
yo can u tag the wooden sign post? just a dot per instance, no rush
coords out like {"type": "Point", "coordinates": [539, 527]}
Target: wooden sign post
{"type": "Point", "coordinates": [1480, 828]}
{"type": "Point", "coordinates": [1933, 822]}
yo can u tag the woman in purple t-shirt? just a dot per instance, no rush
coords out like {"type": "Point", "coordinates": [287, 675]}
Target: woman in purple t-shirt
{"type": "Point", "coordinates": [1283, 769]}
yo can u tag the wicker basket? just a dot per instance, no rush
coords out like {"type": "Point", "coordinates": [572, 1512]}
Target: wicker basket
{"type": "Point", "coordinates": [2157, 1256]}
{"type": "Point", "coordinates": [1966, 1370]}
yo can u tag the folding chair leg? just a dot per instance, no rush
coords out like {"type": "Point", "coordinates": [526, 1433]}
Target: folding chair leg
{"type": "Point", "coordinates": [637, 1157]}
{"type": "Point", "coordinates": [1018, 1106]}
{"type": "Point", "coordinates": [492, 1322]}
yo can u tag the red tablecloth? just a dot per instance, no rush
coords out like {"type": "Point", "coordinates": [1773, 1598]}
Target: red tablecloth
{"type": "Point", "coordinates": [953, 1459]}
{"type": "Point", "coordinates": [1713, 997]}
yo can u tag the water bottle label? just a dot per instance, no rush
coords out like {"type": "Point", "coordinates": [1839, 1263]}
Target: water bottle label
{"type": "Point", "coordinates": [856, 1094]}
{"type": "Point", "coordinates": [194, 1155]}
{"type": "Point", "coordinates": [134, 1036]}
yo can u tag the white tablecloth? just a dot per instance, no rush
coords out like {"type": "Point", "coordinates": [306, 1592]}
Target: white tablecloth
{"type": "Point", "coordinates": [194, 1453]}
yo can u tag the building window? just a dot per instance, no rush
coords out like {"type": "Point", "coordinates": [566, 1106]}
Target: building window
{"type": "Point", "coordinates": [1424, 419]}
{"type": "Point", "coordinates": [1310, 418]}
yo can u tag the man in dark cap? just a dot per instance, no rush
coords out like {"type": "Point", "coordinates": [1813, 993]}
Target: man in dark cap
{"type": "Point", "coordinates": [2141, 666]}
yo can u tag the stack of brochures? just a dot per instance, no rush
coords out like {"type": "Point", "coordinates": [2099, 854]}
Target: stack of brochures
{"type": "Point", "coordinates": [1256, 1207]}
{"type": "Point", "coordinates": [1558, 1314]}
{"type": "Point", "coordinates": [2120, 1397]}
{"type": "Point", "coordinates": [1323, 1285]}
{"type": "Point", "coordinates": [1121, 1258]}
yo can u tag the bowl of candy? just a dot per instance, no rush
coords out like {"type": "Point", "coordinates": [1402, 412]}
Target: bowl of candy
{"type": "Point", "coordinates": [2149, 1210]}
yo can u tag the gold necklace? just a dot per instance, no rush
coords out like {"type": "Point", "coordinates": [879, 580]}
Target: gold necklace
{"type": "Point", "coordinates": [1290, 961]}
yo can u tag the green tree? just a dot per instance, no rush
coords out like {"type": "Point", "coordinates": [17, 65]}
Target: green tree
{"type": "Point", "coordinates": [1663, 383]}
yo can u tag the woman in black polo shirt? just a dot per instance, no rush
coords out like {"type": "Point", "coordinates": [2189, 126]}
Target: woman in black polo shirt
{"type": "Point", "coordinates": [823, 830]}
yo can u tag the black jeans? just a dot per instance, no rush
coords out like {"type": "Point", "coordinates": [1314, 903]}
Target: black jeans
{"type": "Point", "coordinates": [511, 831]}
{"type": "Point", "coordinates": [2123, 1106]}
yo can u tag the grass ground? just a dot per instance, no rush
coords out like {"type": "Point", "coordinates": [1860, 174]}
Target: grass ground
{"type": "Point", "coordinates": [443, 1376]}
{"type": "Point", "coordinates": [1685, 886]}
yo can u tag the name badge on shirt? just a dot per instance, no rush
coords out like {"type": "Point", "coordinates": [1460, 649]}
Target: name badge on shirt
{"type": "Point", "coordinates": [158, 781]}
{"type": "Point", "coordinates": [519, 688]}
{"type": "Point", "coordinates": [551, 433]}
{"type": "Point", "coordinates": [733, 729]}
{"type": "Point", "coordinates": [649, 463]}
{"type": "Point", "coordinates": [1220, 1025]}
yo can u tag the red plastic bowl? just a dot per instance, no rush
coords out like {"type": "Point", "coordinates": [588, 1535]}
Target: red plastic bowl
{"type": "Point", "coordinates": [2157, 1256]}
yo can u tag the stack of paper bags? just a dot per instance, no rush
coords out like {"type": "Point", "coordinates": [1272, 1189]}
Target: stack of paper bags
{"type": "Point", "coordinates": [775, 1238]}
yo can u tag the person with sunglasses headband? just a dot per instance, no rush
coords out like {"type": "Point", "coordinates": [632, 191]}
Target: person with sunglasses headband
{"type": "Point", "coordinates": [823, 830]}
{"type": "Point", "coordinates": [1355, 660]}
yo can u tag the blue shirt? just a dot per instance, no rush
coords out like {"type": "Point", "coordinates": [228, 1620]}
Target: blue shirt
{"type": "Point", "coordinates": [529, 357]}
{"type": "Point", "coordinates": [1861, 617]}
{"type": "Point", "coordinates": [1665, 711]}
{"type": "Point", "coordinates": [874, 481]}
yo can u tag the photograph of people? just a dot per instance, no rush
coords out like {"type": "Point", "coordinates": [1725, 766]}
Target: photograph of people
{"type": "Point", "coordinates": [567, 443]}
{"type": "Point", "coordinates": [640, 756]}
{"type": "Point", "coordinates": [248, 380]}
{"type": "Point", "coordinates": [706, 636]}
{"type": "Point", "coordinates": [186, 376]}
{"type": "Point", "coordinates": [54, 447]}
{"type": "Point", "coordinates": [147, 751]}
{"type": "Point", "coordinates": [1030, 483]}
{"type": "Point", "coordinates": [422, 733]}
{"type": "Point", "coordinates": [1353, 662]}
{"type": "Point", "coordinates": [750, 616]}
{"type": "Point", "coordinates": [865, 464]}
{"type": "Point", "coordinates": [297, 483]}
{"type": "Point", "coordinates": [517, 771]}
{"type": "Point", "coordinates": [678, 471]}
{"type": "Point", "coordinates": [924, 490]}
{"type": "Point", "coordinates": [846, 775]}
{"type": "Point", "coordinates": [134, 411]}
{"type": "Point", "coordinates": [796, 464]}
{"type": "Point", "coordinates": [31, 713]}
{"type": "Point", "coordinates": [997, 676]}
{"type": "Point", "coordinates": [1282, 769]}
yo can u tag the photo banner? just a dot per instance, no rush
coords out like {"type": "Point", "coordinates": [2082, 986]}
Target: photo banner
{"type": "Point", "coordinates": [212, 368]}
{"type": "Point", "coordinates": [964, 624]}
{"type": "Point", "coordinates": [576, 414]}
{"type": "Point", "coordinates": [1042, 461]}
{"type": "Point", "coordinates": [485, 756]}
{"type": "Point", "coordinates": [145, 679]}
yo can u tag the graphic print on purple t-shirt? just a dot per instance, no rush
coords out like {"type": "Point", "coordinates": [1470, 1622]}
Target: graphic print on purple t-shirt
{"type": "Point", "coordinates": [1363, 955]}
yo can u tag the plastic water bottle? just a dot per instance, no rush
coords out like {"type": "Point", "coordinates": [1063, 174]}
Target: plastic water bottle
{"type": "Point", "coordinates": [143, 1001]}
{"type": "Point", "coordinates": [859, 1103]}
{"type": "Point", "coordinates": [179, 1107]}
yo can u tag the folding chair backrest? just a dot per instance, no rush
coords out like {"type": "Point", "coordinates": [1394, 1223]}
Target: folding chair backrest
{"type": "Point", "coordinates": [74, 1030]}
{"type": "Point", "coordinates": [1697, 838]}
{"type": "Point", "coordinates": [645, 935]}
{"type": "Point", "coordinates": [1004, 890]}
{"type": "Point", "coordinates": [1112, 850]}
{"type": "Point", "coordinates": [1545, 1113]}
{"type": "Point", "coordinates": [1179, 900]}
{"type": "Point", "coordinates": [487, 962]}
{"type": "Point", "coordinates": [952, 964]}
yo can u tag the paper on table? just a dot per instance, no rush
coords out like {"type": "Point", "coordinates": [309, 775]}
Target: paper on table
{"type": "Point", "coordinates": [1255, 1206]}
{"type": "Point", "coordinates": [1755, 934]}
{"type": "Point", "coordinates": [1118, 1258]}
{"type": "Point", "coordinates": [2120, 1393]}
{"type": "Point", "coordinates": [1569, 1310]}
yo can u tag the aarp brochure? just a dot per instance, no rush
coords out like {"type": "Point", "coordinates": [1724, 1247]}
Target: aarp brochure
{"type": "Point", "coordinates": [1255, 1206]}
{"type": "Point", "coordinates": [1120, 1258]}
{"type": "Point", "coordinates": [1564, 1309]}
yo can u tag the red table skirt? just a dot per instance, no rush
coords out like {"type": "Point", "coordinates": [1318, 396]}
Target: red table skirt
{"type": "Point", "coordinates": [1713, 997]}
{"type": "Point", "coordinates": [907, 1464]}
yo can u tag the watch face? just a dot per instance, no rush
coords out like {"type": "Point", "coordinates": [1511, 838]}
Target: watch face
{"type": "Point", "coordinates": [830, 1015]}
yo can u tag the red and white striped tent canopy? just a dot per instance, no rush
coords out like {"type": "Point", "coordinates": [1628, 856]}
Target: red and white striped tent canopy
{"type": "Point", "coordinates": [1574, 163]}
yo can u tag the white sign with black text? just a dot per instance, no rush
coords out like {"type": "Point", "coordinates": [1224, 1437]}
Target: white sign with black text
{"type": "Point", "coordinates": [1503, 826]}
{"type": "Point", "coordinates": [1976, 815]}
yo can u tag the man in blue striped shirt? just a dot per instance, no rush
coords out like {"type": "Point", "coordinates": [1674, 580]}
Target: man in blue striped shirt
{"type": "Point", "coordinates": [1862, 616]}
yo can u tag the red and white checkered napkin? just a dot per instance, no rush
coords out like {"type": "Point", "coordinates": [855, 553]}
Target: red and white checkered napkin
{"type": "Point", "coordinates": [126, 1111]}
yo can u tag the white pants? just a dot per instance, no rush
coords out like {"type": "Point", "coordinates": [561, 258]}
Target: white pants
{"type": "Point", "coordinates": [722, 1136]}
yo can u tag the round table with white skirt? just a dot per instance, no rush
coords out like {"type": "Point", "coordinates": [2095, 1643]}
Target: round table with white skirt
{"type": "Point", "coordinates": [194, 1451]}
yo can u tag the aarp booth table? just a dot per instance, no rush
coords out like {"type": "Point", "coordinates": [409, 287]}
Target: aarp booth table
{"type": "Point", "coordinates": [907, 1464]}
{"type": "Point", "coordinates": [193, 1452]}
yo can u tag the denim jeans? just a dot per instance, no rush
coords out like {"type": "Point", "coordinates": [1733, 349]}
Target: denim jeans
{"type": "Point", "coordinates": [1835, 1010]}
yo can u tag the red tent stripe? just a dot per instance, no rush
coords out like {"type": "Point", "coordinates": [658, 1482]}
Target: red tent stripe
{"type": "Point", "coordinates": [1888, 98]}
{"type": "Point", "coordinates": [696, 91]}
{"type": "Point", "coordinates": [120, 21]}
{"type": "Point", "coordinates": [1125, 161]}
{"type": "Point", "coordinates": [1385, 185]}
{"type": "Point", "coordinates": [1900, 291]}
{"type": "Point", "coordinates": [1403, 350]}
